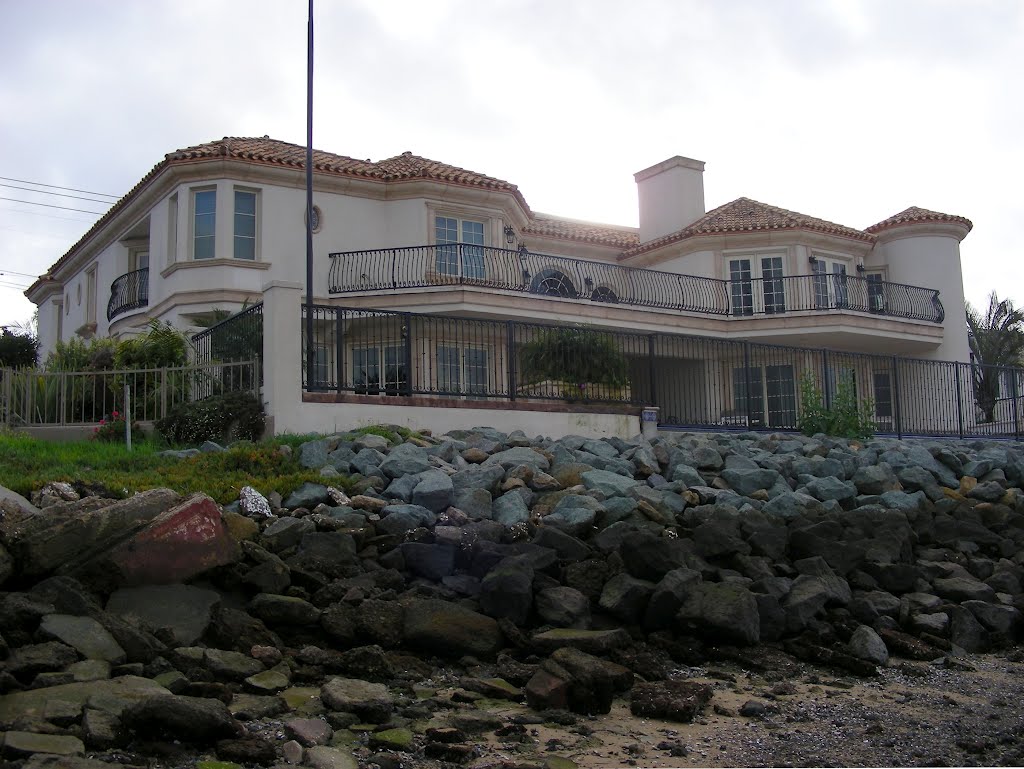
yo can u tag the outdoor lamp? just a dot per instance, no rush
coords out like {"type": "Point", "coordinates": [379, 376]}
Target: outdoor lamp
{"type": "Point", "coordinates": [510, 235]}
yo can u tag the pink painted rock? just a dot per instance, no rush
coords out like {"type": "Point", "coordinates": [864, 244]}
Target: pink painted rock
{"type": "Point", "coordinates": [175, 546]}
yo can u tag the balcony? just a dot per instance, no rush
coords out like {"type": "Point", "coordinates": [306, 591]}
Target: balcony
{"type": "Point", "coordinates": [522, 271]}
{"type": "Point", "coordinates": [128, 292]}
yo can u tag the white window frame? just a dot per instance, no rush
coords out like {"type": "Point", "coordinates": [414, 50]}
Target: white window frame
{"type": "Point", "coordinates": [762, 292]}
{"type": "Point", "coordinates": [830, 288]}
{"type": "Point", "coordinates": [382, 386]}
{"type": "Point", "coordinates": [254, 216]}
{"type": "Point", "coordinates": [193, 229]}
{"type": "Point", "coordinates": [472, 264]}
{"type": "Point", "coordinates": [462, 386]}
{"type": "Point", "coordinates": [91, 297]}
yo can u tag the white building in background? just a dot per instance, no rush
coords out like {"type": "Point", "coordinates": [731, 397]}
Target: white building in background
{"type": "Point", "coordinates": [211, 226]}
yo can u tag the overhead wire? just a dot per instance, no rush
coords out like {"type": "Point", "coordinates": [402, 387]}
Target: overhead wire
{"type": "Point", "coordinates": [50, 205]}
{"type": "Point", "coordinates": [54, 186]}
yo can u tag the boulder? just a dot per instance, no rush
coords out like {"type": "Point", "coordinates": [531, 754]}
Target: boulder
{"type": "Point", "coordinates": [450, 630]}
{"type": "Point", "coordinates": [188, 719]}
{"type": "Point", "coordinates": [721, 611]}
{"type": "Point", "coordinates": [183, 611]}
{"type": "Point", "coordinates": [371, 702]}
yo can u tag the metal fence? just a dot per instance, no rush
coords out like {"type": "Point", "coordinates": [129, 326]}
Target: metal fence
{"type": "Point", "coordinates": [696, 382]}
{"type": "Point", "coordinates": [462, 264]}
{"type": "Point", "coordinates": [237, 338]}
{"type": "Point", "coordinates": [32, 398]}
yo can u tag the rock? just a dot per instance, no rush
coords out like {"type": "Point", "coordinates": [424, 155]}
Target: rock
{"type": "Point", "coordinates": [450, 630]}
{"type": "Point", "coordinates": [626, 597]}
{"type": "Point", "coordinates": [670, 700]}
{"type": "Point", "coordinates": [963, 589]}
{"type": "Point", "coordinates": [398, 519]}
{"type": "Point", "coordinates": [746, 482]}
{"type": "Point", "coordinates": [176, 545]}
{"type": "Point", "coordinates": [309, 731]}
{"type": "Point", "coordinates": [324, 757]}
{"type": "Point", "coordinates": [434, 491]}
{"type": "Point", "coordinates": [18, 744]}
{"type": "Point", "coordinates": [609, 484]}
{"type": "Point", "coordinates": [721, 611]}
{"type": "Point", "coordinates": [286, 532]}
{"type": "Point", "coordinates": [405, 459]}
{"type": "Point", "coordinates": [507, 590]}
{"type": "Point", "coordinates": [189, 719]}
{"type": "Point", "coordinates": [85, 634]}
{"type": "Point", "coordinates": [866, 644]}
{"type": "Point", "coordinates": [183, 610]}
{"type": "Point", "coordinates": [370, 701]}
{"type": "Point", "coordinates": [806, 599]}
{"type": "Point", "coordinates": [563, 607]}
{"type": "Point", "coordinates": [231, 665]}
{"type": "Point", "coordinates": [26, 662]}
{"type": "Point", "coordinates": [431, 561]}
{"type": "Point", "coordinates": [284, 610]}
{"type": "Point", "coordinates": [56, 542]}
{"type": "Point", "coordinates": [591, 641]}
{"type": "Point", "coordinates": [668, 597]}
{"type": "Point", "coordinates": [593, 681]}
{"type": "Point", "coordinates": [509, 509]}
{"type": "Point", "coordinates": [519, 456]}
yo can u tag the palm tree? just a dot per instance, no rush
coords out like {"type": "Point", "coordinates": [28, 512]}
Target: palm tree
{"type": "Point", "coordinates": [997, 340]}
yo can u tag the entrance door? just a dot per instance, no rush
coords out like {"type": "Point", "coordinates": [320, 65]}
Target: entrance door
{"type": "Point", "coordinates": [830, 287]}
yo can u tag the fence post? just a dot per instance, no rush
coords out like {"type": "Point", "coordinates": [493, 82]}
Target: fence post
{"type": "Point", "coordinates": [746, 383]}
{"type": "Point", "coordinates": [127, 416]}
{"type": "Point", "coordinates": [959, 402]}
{"type": "Point", "coordinates": [1016, 409]}
{"type": "Point", "coordinates": [282, 332]}
{"type": "Point", "coordinates": [896, 401]}
{"type": "Point", "coordinates": [339, 349]}
{"type": "Point", "coordinates": [651, 338]}
{"type": "Point", "coordinates": [826, 391]}
{"type": "Point", "coordinates": [407, 354]}
{"type": "Point", "coordinates": [510, 356]}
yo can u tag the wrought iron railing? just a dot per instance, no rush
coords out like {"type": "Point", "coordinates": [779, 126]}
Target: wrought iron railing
{"type": "Point", "coordinates": [239, 337]}
{"type": "Point", "coordinates": [696, 381]}
{"type": "Point", "coordinates": [579, 279]}
{"type": "Point", "coordinates": [527, 272]}
{"type": "Point", "coordinates": [128, 292]}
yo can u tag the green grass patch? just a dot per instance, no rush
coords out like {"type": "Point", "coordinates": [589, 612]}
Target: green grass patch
{"type": "Point", "coordinates": [27, 464]}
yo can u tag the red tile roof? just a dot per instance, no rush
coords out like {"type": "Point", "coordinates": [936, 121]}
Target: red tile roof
{"type": "Point", "coordinates": [587, 232]}
{"type": "Point", "coordinates": [746, 215]}
{"type": "Point", "coordinates": [914, 215]}
{"type": "Point", "coordinates": [278, 153]}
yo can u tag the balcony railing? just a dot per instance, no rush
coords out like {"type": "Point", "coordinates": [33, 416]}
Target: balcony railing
{"type": "Point", "coordinates": [462, 264]}
{"type": "Point", "coordinates": [128, 292]}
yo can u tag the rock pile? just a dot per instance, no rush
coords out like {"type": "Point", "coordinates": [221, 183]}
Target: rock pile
{"type": "Point", "coordinates": [480, 565]}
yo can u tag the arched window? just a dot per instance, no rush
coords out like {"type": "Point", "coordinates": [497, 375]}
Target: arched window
{"type": "Point", "coordinates": [553, 283]}
{"type": "Point", "coordinates": [604, 294]}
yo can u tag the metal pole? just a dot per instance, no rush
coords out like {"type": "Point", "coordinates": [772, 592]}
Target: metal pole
{"type": "Point", "coordinates": [128, 416]}
{"type": "Point", "coordinates": [310, 352]}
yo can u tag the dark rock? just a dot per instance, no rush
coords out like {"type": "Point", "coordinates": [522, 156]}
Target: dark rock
{"type": "Point", "coordinates": [721, 611]}
{"type": "Point", "coordinates": [450, 630]}
{"type": "Point", "coordinates": [507, 590]}
{"type": "Point", "coordinates": [670, 700]}
{"type": "Point", "coordinates": [189, 719]}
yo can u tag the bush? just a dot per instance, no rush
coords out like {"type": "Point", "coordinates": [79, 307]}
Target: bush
{"type": "Point", "coordinates": [163, 346]}
{"type": "Point", "coordinates": [846, 417]}
{"type": "Point", "coordinates": [78, 355]}
{"type": "Point", "coordinates": [574, 355]}
{"type": "Point", "coordinates": [221, 418]}
{"type": "Point", "coordinates": [18, 350]}
{"type": "Point", "coordinates": [113, 430]}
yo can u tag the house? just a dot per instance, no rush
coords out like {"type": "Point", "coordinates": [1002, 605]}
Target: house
{"type": "Point", "coordinates": [402, 244]}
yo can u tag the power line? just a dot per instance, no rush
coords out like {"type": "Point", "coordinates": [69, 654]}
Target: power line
{"type": "Point", "coordinates": [57, 194]}
{"type": "Point", "coordinates": [54, 186]}
{"type": "Point", "coordinates": [5, 271]}
{"type": "Point", "coordinates": [48, 205]}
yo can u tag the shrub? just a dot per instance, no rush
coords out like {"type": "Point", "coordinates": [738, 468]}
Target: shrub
{"type": "Point", "coordinates": [18, 350]}
{"type": "Point", "coordinates": [112, 430]}
{"type": "Point", "coordinates": [574, 355]}
{"type": "Point", "coordinates": [847, 417]}
{"type": "Point", "coordinates": [78, 355]}
{"type": "Point", "coordinates": [233, 415]}
{"type": "Point", "coordinates": [162, 346]}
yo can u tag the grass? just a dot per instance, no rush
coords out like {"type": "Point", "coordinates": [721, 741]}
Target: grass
{"type": "Point", "coordinates": [27, 464]}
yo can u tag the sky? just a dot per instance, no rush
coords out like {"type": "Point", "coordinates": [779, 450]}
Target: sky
{"type": "Point", "coordinates": [848, 110]}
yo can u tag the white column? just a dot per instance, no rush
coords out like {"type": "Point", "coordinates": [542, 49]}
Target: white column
{"type": "Point", "coordinates": [282, 353]}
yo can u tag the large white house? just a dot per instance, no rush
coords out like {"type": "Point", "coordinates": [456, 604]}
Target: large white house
{"type": "Point", "coordinates": [219, 225]}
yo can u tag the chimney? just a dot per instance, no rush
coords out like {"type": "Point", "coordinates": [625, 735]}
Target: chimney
{"type": "Point", "coordinates": [671, 196]}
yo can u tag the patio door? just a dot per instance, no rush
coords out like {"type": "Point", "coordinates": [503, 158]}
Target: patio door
{"type": "Point", "coordinates": [756, 285]}
{"type": "Point", "coordinates": [830, 285]}
{"type": "Point", "coordinates": [771, 397]}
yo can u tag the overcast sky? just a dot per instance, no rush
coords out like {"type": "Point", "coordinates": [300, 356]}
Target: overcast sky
{"type": "Point", "coordinates": [849, 110]}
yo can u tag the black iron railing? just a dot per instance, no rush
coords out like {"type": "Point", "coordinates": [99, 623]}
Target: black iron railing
{"type": "Point", "coordinates": [239, 337]}
{"type": "Point", "coordinates": [527, 272]}
{"type": "Point", "coordinates": [696, 382]}
{"type": "Point", "coordinates": [461, 264]}
{"type": "Point", "coordinates": [128, 292]}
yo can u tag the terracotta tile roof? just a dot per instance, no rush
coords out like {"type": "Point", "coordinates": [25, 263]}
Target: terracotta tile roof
{"type": "Point", "coordinates": [746, 215]}
{"type": "Point", "coordinates": [273, 152]}
{"type": "Point", "coordinates": [916, 214]}
{"type": "Point", "coordinates": [586, 232]}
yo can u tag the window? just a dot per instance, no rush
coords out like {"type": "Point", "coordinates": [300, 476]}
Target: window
{"type": "Point", "coordinates": [172, 229]}
{"type": "Point", "coordinates": [459, 237]}
{"type": "Point", "coordinates": [245, 225]}
{"type": "Point", "coordinates": [740, 286]}
{"type": "Point", "coordinates": [771, 386]}
{"type": "Point", "coordinates": [882, 381]}
{"type": "Point", "coordinates": [553, 283]}
{"type": "Point", "coordinates": [756, 285]}
{"type": "Point", "coordinates": [90, 295]}
{"type": "Point", "coordinates": [369, 378]}
{"type": "Point", "coordinates": [321, 370]}
{"type": "Point", "coordinates": [462, 370]}
{"type": "Point", "coordinates": [876, 291]}
{"type": "Point", "coordinates": [830, 289]}
{"type": "Point", "coordinates": [204, 224]}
